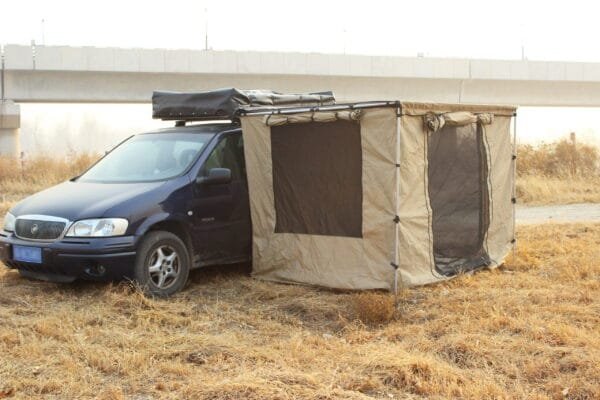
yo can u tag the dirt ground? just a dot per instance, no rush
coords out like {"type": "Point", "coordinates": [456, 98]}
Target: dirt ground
{"type": "Point", "coordinates": [530, 329]}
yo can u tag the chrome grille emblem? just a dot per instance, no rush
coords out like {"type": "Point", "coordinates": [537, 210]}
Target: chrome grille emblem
{"type": "Point", "coordinates": [41, 228]}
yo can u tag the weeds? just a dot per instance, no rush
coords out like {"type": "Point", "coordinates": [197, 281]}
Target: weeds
{"type": "Point", "coordinates": [562, 159]}
{"type": "Point", "coordinates": [374, 308]}
{"type": "Point", "coordinates": [530, 329]}
{"type": "Point", "coordinates": [526, 330]}
{"type": "Point", "coordinates": [555, 173]}
{"type": "Point", "coordinates": [558, 173]}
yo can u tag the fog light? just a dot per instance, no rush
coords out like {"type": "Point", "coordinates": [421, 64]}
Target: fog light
{"type": "Point", "coordinates": [96, 270]}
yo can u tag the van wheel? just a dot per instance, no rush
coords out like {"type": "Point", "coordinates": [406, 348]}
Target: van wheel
{"type": "Point", "coordinates": [162, 265]}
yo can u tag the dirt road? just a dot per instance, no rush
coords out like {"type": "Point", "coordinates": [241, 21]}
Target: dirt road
{"type": "Point", "coordinates": [586, 212]}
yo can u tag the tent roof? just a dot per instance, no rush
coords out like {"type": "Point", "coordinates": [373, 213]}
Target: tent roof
{"type": "Point", "coordinates": [414, 108]}
{"type": "Point", "coordinates": [407, 108]}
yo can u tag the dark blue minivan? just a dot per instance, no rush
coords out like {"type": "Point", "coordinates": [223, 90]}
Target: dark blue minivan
{"type": "Point", "coordinates": [158, 205]}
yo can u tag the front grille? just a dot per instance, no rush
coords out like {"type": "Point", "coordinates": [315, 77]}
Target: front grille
{"type": "Point", "coordinates": [38, 229]}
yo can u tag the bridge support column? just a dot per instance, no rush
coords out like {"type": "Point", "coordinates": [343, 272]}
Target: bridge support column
{"type": "Point", "coordinates": [10, 122]}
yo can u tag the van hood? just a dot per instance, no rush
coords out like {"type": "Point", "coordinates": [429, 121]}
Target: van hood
{"type": "Point", "coordinates": [80, 200]}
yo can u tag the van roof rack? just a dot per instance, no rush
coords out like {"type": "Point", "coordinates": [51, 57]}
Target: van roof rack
{"type": "Point", "coordinates": [227, 103]}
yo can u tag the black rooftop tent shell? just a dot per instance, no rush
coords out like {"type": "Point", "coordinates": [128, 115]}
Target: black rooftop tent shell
{"type": "Point", "coordinates": [227, 103]}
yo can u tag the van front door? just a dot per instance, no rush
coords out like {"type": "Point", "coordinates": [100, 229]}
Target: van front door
{"type": "Point", "coordinates": [222, 229]}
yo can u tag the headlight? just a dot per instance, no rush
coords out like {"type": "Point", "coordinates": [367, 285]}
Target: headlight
{"type": "Point", "coordinates": [9, 222]}
{"type": "Point", "coordinates": [104, 227]}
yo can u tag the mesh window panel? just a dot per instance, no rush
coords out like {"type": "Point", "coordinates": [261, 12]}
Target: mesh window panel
{"type": "Point", "coordinates": [317, 178]}
{"type": "Point", "coordinates": [459, 198]}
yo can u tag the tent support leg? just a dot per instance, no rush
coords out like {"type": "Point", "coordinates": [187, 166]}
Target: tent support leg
{"type": "Point", "coordinates": [397, 202]}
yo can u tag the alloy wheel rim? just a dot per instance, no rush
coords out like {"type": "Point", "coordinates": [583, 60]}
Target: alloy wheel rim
{"type": "Point", "coordinates": [164, 266]}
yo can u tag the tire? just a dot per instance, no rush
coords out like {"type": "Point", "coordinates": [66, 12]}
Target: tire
{"type": "Point", "coordinates": [162, 265]}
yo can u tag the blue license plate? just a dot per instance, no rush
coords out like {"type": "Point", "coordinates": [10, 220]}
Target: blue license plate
{"type": "Point", "coordinates": [27, 254]}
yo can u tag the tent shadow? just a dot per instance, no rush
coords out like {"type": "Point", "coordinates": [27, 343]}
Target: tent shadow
{"type": "Point", "coordinates": [217, 272]}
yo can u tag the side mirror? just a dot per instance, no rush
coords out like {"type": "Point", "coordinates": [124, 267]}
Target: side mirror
{"type": "Point", "coordinates": [215, 176]}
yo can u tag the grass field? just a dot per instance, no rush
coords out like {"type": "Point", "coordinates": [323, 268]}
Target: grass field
{"type": "Point", "coordinates": [555, 173]}
{"type": "Point", "coordinates": [528, 330]}
{"type": "Point", "coordinates": [558, 173]}
{"type": "Point", "coordinates": [544, 190]}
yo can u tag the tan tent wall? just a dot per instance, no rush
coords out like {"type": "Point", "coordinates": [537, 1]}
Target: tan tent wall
{"type": "Point", "coordinates": [331, 261]}
{"type": "Point", "coordinates": [364, 263]}
{"type": "Point", "coordinates": [499, 239]}
{"type": "Point", "coordinates": [415, 245]}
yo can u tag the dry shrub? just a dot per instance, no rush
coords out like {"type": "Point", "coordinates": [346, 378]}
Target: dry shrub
{"type": "Point", "coordinates": [22, 177]}
{"type": "Point", "coordinates": [374, 308]}
{"type": "Point", "coordinates": [41, 169]}
{"type": "Point", "coordinates": [559, 159]}
{"type": "Point", "coordinates": [558, 173]}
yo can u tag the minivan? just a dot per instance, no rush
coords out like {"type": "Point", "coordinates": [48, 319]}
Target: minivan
{"type": "Point", "coordinates": [158, 205]}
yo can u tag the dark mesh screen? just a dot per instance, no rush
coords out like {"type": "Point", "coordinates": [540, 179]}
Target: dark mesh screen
{"type": "Point", "coordinates": [317, 178]}
{"type": "Point", "coordinates": [458, 195]}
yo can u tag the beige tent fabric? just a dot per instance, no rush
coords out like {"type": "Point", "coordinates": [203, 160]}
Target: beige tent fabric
{"type": "Point", "coordinates": [414, 109]}
{"type": "Point", "coordinates": [434, 122]}
{"type": "Point", "coordinates": [364, 263]}
{"type": "Point", "coordinates": [415, 245]}
{"type": "Point", "coordinates": [500, 232]}
{"type": "Point", "coordinates": [340, 262]}
{"type": "Point", "coordinates": [321, 116]}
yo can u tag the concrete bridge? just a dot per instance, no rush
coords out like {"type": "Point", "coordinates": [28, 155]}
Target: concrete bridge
{"type": "Point", "coordinates": [114, 75]}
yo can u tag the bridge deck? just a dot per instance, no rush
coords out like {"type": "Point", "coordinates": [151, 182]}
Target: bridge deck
{"type": "Point", "coordinates": [88, 74]}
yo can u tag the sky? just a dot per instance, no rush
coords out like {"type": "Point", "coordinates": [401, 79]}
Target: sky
{"type": "Point", "coordinates": [549, 30]}
{"type": "Point", "coordinates": [509, 29]}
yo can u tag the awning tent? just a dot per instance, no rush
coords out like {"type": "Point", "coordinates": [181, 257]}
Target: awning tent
{"type": "Point", "coordinates": [377, 195]}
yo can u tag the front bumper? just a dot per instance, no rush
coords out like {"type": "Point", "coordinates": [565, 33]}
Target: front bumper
{"type": "Point", "coordinates": [88, 258]}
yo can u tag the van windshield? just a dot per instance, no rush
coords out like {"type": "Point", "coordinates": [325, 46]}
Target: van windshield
{"type": "Point", "coordinates": [148, 157]}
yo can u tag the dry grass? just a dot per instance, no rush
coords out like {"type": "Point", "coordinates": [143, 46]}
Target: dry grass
{"type": "Point", "coordinates": [540, 190]}
{"type": "Point", "coordinates": [563, 158]}
{"type": "Point", "coordinates": [527, 330]}
{"type": "Point", "coordinates": [374, 308]}
{"type": "Point", "coordinates": [555, 173]}
{"type": "Point", "coordinates": [558, 173]}
{"type": "Point", "coordinates": [19, 178]}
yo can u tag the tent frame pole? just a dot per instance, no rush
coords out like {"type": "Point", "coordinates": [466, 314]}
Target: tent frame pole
{"type": "Point", "coordinates": [514, 185]}
{"type": "Point", "coordinates": [397, 202]}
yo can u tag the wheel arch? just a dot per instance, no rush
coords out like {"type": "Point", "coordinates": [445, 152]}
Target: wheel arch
{"type": "Point", "coordinates": [176, 227]}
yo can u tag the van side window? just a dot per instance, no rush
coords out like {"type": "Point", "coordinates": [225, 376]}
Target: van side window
{"type": "Point", "coordinates": [228, 154]}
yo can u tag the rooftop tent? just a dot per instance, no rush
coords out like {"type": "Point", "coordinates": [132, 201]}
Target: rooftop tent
{"type": "Point", "coordinates": [225, 103]}
{"type": "Point", "coordinates": [370, 195]}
